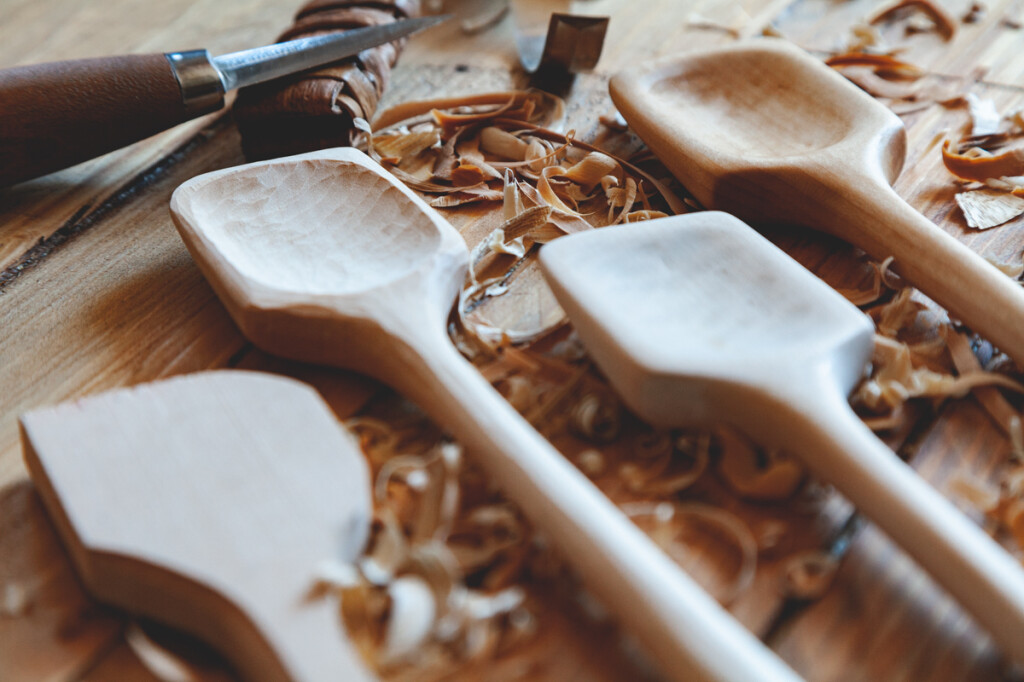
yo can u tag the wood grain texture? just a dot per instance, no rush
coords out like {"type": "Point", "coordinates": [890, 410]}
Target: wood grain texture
{"type": "Point", "coordinates": [221, 491]}
{"type": "Point", "coordinates": [115, 223]}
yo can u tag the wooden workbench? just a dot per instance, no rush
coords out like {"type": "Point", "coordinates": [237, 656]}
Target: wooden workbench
{"type": "Point", "coordinates": [97, 291]}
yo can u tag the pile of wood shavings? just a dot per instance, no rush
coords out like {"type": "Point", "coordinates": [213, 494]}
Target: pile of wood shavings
{"type": "Point", "coordinates": [920, 356]}
{"type": "Point", "coordinates": [506, 148]}
{"type": "Point", "coordinates": [439, 582]}
{"type": "Point", "coordinates": [454, 583]}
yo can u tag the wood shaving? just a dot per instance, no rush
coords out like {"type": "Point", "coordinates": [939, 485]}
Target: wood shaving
{"type": "Point", "coordinates": [882, 64]}
{"type": "Point", "coordinates": [164, 665]}
{"type": "Point", "coordinates": [979, 165]}
{"type": "Point", "coordinates": [938, 18]}
{"type": "Point", "coordinates": [808, 575]}
{"type": "Point", "coordinates": [980, 495]}
{"type": "Point", "coordinates": [987, 208]}
{"type": "Point", "coordinates": [665, 470]}
{"type": "Point", "coordinates": [16, 602]}
{"type": "Point", "coordinates": [975, 13]}
{"type": "Point", "coordinates": [597, 417]}
{"type": "Point", "coordinates": [406, 602]}
{"type": "Point", "coordinates": [881, 281]}
{"type": "Point", "coordinates": [777, 477]}
{"type": "Point", "coordinates": [670, 521]}
{"type": "Point", "coordinates": [491, 147]}
{"type": "Point", "coordinates": [994, 403]}
{"type": "Point", "coordinates": [985, 120]}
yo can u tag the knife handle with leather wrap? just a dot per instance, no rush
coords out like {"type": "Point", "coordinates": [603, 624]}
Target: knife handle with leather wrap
{"type": "Point", "coordinates": [58, 114]}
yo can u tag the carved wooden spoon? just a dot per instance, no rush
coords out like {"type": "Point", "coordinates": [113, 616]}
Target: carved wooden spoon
{"type": "Point", "coordinates": [326, 258]}
{"type": "Point", "coordinates": [697, 319]}
{"type": "Point", "coordinates": [770, 134]}
{"type": "Point", "coordinates": [207, 502]}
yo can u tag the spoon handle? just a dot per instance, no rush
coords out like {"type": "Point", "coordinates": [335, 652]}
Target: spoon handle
{"type": "Point", "coordinates": [877, 219]}
{"type": "Point", "coordinates": [686, 631]}
{"type": "Point", "coordinates": [839, 448]}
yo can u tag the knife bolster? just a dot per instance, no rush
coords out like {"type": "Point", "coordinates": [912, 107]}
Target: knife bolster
{"type": "Point", "coordinates": [202, 89]}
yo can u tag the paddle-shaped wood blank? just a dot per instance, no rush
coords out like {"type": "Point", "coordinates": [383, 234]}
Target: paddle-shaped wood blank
{"type": "Point", "coordinates": [697, 319]}
{"type": "Point", "coordinates": [326, 257]}
{"type": "Point", "coordinates": [770, 134]}
{"type": "Point", "coordinates": [207, 502]}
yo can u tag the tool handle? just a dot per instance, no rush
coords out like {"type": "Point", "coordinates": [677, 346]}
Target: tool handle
{"type": "Point", "coordinates": [56, 115]}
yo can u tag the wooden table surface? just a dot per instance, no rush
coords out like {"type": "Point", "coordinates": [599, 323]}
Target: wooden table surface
{"type": "Point", "coordinates": [97, 291]}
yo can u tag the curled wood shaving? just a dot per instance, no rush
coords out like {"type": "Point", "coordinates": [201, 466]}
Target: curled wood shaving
{"type": "Point", "coordinates": [671, 521]}
{"type": "Point", "coordinates": [896, 379]}
{"type": "Point", "coordinates": [808, 575]}
{"type": "Point", "coordinates": [406, 602]}
{"type": "Point", "coordinates": [978, 165]}
{"type": "Point", "coordinates": [882, 64]}
{"type": "Point", "coordinates": [994, 403]}
{"type": "Point", "coordinates": [880, 281]}
{"type": "Point", "coordinates": [777, 478]}
{"type": "Point", "coordinates": [944, 24]}
{"type": "Point", "coordinates": [661, 469]}
{"type": "Point", "coordinates": [977, 493]}
{"type": "Point", "coordinates": [163, 664]}
{"type": "Point", "coordinates": [597, 417]}
{"type": "Point", "coordinates": [548, 108]}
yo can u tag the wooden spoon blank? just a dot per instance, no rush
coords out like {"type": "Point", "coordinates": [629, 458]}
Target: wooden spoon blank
{"type": "Point", "coordinates": [770, 134]}
{"type": "Point", "coordinates": [327, 258]}
{"type": "Point", "coordinates": [206, 502]}
{"type": "Point", "coordinates": [698, 320]}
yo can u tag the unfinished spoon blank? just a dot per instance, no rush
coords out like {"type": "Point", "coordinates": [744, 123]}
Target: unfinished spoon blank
{"type": "Point", "coordinates": [770, 134]}
{"type": "Point", "coordinates": [207, 502]}
{"type": "Point", "coordinates": [698, 320]}
{"type": "Point", "coordinates": [326, 258]}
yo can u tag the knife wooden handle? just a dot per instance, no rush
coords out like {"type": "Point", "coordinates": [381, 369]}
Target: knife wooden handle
{"type": "Point", "coordinates": [58, 114]}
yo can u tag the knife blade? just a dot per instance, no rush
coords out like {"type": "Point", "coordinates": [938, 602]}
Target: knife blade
{"type": "Point", "coordinates": [58, 114]}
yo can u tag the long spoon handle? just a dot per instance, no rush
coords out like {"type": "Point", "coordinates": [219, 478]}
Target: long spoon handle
{"type": "Point", "coordinates": [839, 448]}
{"type": "Point", "coordinates": [690, 635]}
{"type": "Point", "coordinates": [875, 218]}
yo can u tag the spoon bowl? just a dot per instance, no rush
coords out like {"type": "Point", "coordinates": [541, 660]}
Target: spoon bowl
{"type": "Point", "coordinates": [206, 502]}
{"type": "Point", "coordinates": [304, 251]}
{"type": "Point", "coordinates": [326, 258]}
{"type": "Point", "coordinates": [698, 320]}
{"type": "Point", "coordinates": [770, 134]}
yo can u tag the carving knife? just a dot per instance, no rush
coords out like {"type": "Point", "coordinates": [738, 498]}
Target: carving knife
{"type": "Point", "coordinates": [56, 115]}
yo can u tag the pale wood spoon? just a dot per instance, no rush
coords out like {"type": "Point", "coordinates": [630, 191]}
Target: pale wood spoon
{"type": "Point", "coordinates": [207, 502]}
{"type": "Point", "coordinates": [325, 257]}
{"type": "Point", "coordinates": [698, 319]}
{"type": "Point", "coordinates": [770, 134]}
